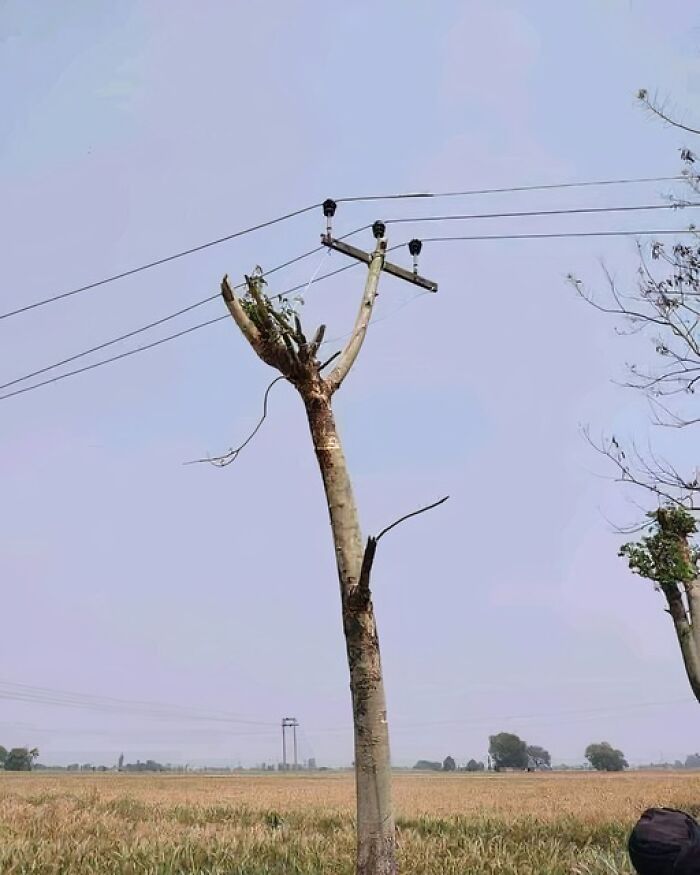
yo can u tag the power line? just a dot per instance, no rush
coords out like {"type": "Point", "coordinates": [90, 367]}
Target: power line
{"type": "Point", "coordinates": [517, 188]}
{"type": "Point", "coordinates": [480, 237]}
{"type": "Point", "coordinates": [156, 263]}
{"type": "Point", "coordinates": [145, 347]}
{"type": "Point", "coordinates": [114, 358]}
{"type": "Point", "coordinates": [365, 198]}
{"type": "Point", "coordinates": [148, 326]}
{"type": "Point", "coordinates": [107, 343]}
{"type": "Point", "coordinates": [397, 725]}
{"type": "Point", "coordinates": [417, 219]}
{"type": "Point", "coordinates": [62, 698]}
{"type": "Point", "coordinates": [547, 236]}
{"type": "Point", "coordinates": [531, 213]}
{"type": "Point", "coordinates": [174, 315]}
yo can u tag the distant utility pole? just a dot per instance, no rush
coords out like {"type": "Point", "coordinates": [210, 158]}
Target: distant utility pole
{"type": "Point", "coordinates": [289, 723]}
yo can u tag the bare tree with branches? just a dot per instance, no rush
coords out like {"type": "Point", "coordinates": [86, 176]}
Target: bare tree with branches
{"type": "Point", "coordinates": [275, 333]}
{"type": "Point", "coordinates": [664, 307]}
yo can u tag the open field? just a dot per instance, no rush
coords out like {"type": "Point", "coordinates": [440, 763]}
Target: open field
{"type": "Point", "coordinates": [550, 824]}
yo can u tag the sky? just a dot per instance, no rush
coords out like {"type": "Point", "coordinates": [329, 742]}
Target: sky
{"type": "Point", "coordinates": [131, 131]}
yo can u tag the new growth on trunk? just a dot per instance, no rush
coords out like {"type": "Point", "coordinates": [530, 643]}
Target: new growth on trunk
{"type": "Point", "coordinates": [276, 335]}
{"type": "Point", "coordinates": [668, 558]}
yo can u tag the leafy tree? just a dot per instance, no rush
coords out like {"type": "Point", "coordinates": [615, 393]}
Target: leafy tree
{"type": "Point", "coordinates": [474, 766]}
{"type": "Point", "coordinates": [668, 557]}
{"type": "Point", "coordinates": [120, 762]}
{"type": "Point", "coordinates": [428, 766]}
{"type": "Point", "coordinates": [605, 758]}
{"type": "Point", "coordinates": [20, 759]}
{"type": "Point", "coordinates": [449, 765]}
{"type": "Point", "coordinates": [539, 755]}
{"type": "Point", "coordinates": [508, 751]}
{"type": "Point", "coordinates": [692, 761]}
{"type": "Point", "coordinates": [3, 755]}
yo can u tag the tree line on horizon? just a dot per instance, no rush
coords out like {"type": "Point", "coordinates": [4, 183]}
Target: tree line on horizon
{"type": "Point", "coordinates": [508, 751]}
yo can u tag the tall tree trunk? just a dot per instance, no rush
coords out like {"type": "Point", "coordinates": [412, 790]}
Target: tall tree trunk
{"type": "Point", "coordinates": [280, 342]}
{"type": "Point", "coordinates": [686, 630]}
{"type": "Point", "coordinates": [376, 840]}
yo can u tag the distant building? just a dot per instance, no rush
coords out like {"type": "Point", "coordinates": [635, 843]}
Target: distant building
{"type": "Point", "coordinates": [537, 765]}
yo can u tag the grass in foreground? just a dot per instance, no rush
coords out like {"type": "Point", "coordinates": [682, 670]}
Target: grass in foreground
{"type": "Point", "coordinates": [281, 825]}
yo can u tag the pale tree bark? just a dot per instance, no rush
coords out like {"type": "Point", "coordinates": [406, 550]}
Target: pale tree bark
{"type": "Point", "coordinates": [279, 341]}
{"type": "Point", "coordinates": [667, 556]}
{"type": "Point", "coordinates": [686, 623]}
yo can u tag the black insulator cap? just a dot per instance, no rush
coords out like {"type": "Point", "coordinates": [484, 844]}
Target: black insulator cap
{"type": "Point", "coordinates": [415, 246]}
{"type": "Point", "coordinates": [379, 229]}
{"type": "Point", "coordinates": [329, 207]}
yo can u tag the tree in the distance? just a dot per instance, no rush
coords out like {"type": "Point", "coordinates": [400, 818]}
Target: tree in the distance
{"type": "Point", "coordinates": [20, 759]}
{"type": "Point", "coordinates": [3, 755]}
{"type": "Point", "coordinates": [508, 751]}
{"type": "Point", "coordinates": [428, 766]}
{"type": "Point", "coordinates": [448, 764]}
{"type": "Point", "coordinates": [539, 755]}
{"type": "Point", "coordinates": [605, 758]}
{"type": "Point", "coordinates": [474, 766]}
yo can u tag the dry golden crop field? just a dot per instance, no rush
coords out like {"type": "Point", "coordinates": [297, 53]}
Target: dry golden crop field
{"type": "Point", "coordinates": [550, 824]}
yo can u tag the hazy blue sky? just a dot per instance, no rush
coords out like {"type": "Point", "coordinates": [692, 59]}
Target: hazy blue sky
{"type": "Point", "coordinates": [130, 130]}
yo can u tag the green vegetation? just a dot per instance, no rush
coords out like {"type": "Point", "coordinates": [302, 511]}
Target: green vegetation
{"type": "Point", "coordinates": [665, 556]}
{"type": "Point", "coordinates": [605, 758]}
{"type": "Point", "coordinates": [19, 759]}
{"type": "Point", "coordinates": [508, 751]}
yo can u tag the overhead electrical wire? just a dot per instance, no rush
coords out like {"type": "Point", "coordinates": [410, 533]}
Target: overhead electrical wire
{"type": "Point", "coordinates": [562, 716]}
{"type": "Point", "coordinates": [48, 696]}
{"type": "Point", "coordinates": [532, 213]}
{"type": "Point", "coordinates": [156, 263]}
{"type": "Point", "coordinates": [294, 213]}
{"type": "Point", "coordinates": [517, 188]}
{"type": "Point", "coordinates": [437, 239]}
{"type": "Point", "coordinates": [115, 358]}
{"type": "Point", "coordinates": [25, 693]}
{"type": "Point", "coordinates": [572, 234]}
{"type": "Point", "coordinates": [295, 259]}
{"type": "Point", "coordinates": [174, 315]}
{"type": "Point", "coordinates": [149, 325]}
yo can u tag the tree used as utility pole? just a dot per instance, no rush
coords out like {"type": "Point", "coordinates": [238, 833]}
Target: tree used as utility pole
{"type": "Point", "coordinates": [277, 336]}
